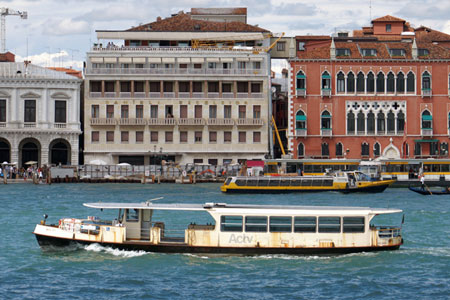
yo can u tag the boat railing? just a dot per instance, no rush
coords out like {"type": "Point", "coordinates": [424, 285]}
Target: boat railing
{"type": "Point", "coordinates": [387, 232]}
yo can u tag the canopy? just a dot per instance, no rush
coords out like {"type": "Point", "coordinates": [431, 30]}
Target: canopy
{"type": "Point", "coordinates": [300, 118]}
{"type": "Point", "coordinates": [426, 141]}
{"type": "Point", "coordinates": [427, 118]}
{"type": "Point", "coordinates": [31, 162]}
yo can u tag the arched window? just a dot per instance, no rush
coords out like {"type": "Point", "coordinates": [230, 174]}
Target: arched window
{"type": "Point", "coordinates": [370, 83]}
{"type": "Point", "coordinates": [381, 123]}
{"type": "Point", "coordinates": [426, 81]}
{"type": "Point", "coordinates": [300, 150]}
{"type": "Point", "coordinates": [339, 152]}
{"type": "Point", "coordinates": [391, 122]}
{"type": "Point", "coordinates": [380, 83]}
{"type": "Point", "coordinates": [360, 83]}
{"type": "Point", "coordinates": [301, 80]}
{"type": "Point", "coordinates": [361, 123]}
{"type": "Point", "coordinates": [350, 123]}
{"type": "Point", "coordinates": [406, 149]}
{"type": "Point", "coordinates": [427, 120]}
{"type": "Point", "coordinates": [365, 149]}
{"type": "Point", "coordinates": [325, 120]}
{"type": "Point", "coordinates": [340, 82]}
{"type": "Point", "coordinates": [410, 83]}
{"type": "Point", "coordinates": [350, 83]}
{"type": "Point", "coordinates": [390, 83]}
{"type": "Point", "coordinates": [325, 150]}
{"type": "Point", "coordinates": [444, 149]}
{"type": "Point", "coordinates": [376, 149]}
{"type": "Point", "coordinates": [300, 120]}
{"type": "Point", "coordinates": [326, 81]}
{"type": "Point", "coordinates": [370, 122]}
{"type": "Point", "coordinates": [400, 83]}
{"type": "Point", "coordinates": [417, 149]}
{"type": "Point", "coordinates": [400, 122]}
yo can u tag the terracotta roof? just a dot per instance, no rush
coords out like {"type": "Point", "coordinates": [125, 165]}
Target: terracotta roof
{"type": "Point", "coordinates": [426, 34]}
{"type": "Point", "coordinates": [388, 18]}
{"type": "Point", "coordinates": [219, 11]}
{"type": "Point", "coordinates": [312, 37]}
{"type": "Point", "coordinates": [182, 22]}
{"type": "Point", "coordinates": [7, 57]}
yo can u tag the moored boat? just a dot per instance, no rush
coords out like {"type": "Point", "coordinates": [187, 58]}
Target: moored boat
{"type": "Point", "coordinates": [235, 229]}
{"type": "Point", "coordinates": [345, 182]}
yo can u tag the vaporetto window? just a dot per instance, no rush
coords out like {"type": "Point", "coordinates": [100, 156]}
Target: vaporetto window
{"type": "Point", "coordinates": [375, 118]}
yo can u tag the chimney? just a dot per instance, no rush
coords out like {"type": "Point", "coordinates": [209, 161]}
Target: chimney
{"type": "Point", "coordinates": [158, 19]}
{"type": "Point", "coordinates": [414, 50]}
{"type": "Point", "coordinates": [332, 49]}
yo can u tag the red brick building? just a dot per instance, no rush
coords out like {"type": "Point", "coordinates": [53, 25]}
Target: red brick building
{"type": "Point", "coordinates": [380, 91]}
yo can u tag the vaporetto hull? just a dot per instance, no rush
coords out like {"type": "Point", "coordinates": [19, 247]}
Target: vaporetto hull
{"type": "Point", "coordinates": [48, 241]}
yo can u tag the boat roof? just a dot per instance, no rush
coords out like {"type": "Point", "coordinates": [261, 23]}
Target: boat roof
{"type": "Point", "coordinates": [246, 208]}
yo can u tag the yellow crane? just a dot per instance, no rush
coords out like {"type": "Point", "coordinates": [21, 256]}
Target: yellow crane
{"type": "Point", "coordinates": [278, 135]}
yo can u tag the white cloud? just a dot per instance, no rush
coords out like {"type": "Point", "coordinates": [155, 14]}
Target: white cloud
{"type": "Point", "coordinates": [65, 26]}
{"type": "Point", "coordinates": [59, 59]}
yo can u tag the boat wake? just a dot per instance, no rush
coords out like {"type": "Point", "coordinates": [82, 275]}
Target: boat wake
{"type": "Point", "coordinates": [116, 252]}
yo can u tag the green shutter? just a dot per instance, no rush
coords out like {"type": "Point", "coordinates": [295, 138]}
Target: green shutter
{"type": "Point", "coordinates": [427, 118]}
{"type": "Point", "coordinates": [326, 76]}
{"type": "Point", "coordinates": [300, 118]}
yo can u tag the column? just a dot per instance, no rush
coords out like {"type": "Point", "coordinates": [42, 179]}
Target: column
{"type": "Point", "coordinates": [345, 84]}
{"type": "Point", "coordinates": [103, 88]}
{"type": "Point", "coordinates": [146, 88]}
{"type": "Point", "coordinates": [132, 88]}
{"type": "Point", "coordinates": [117, 89]}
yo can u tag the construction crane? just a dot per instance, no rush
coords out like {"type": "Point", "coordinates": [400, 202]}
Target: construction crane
{"type": "Point", "coordinates": [8, 12]}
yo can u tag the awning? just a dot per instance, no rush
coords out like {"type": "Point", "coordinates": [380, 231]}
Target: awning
{"type": "Point", "coordinates": [300, 118]}
{"type": "Point", "coordinates": [301, 76]}
{"type": "Point", "coordinates": [427, 118]}
{"type": "Point", "coordinates": [97, 60]}
{"type": "Point", "coordinates": [212, 59]}
{"type": "Point", "coordinates": [139, 60]}
{"type": "Point", "coordinates": [184, 60]}
{"type": "Point", "coordinates": [226, 59]}
{"type": "Point", "coordinates": [427, 141]}
{"type": "Point", "coordinates": [256, 58]}
{"type": "Point", "coordinates": [326, 117]}
{"type": "Point", "coordinates": [110, 60]}
{"type": "Point", "coordinates": [168, 60]}
{"type": "Point", "coordinates": [197, 60]}
{"type": "Point", "coordinates": [154, 60]}
{"type": "Point", "coordinates": [326, 76]}
{"type": "Point", "coordinates": [125, 60]}
{"type": "Point", "coordinates": [242, 59]}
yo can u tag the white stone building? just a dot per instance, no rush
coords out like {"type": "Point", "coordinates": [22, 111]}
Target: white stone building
{"type": "Point", "coordinates": [181, 89]}
{"type": "Point", "coordinates": [39, 115]}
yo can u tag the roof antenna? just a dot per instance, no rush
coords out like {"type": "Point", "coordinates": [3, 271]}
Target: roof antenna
{"type": "Point", "coordinates": [370, 11]}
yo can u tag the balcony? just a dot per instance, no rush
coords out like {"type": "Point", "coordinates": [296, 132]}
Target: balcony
{"type": "Point", "coordinates": [301, 93]}
{"type": "Point", "coordinates": [220, 122]}
{"type": "Point", "coordinates": [2, 124]}
{"type": "Point", "coordinates": [169, 94]}
{"type": "Point", "coordinates": [29, 125]}
{"type": "Point", "coordinates": [103, 121]}
{"type": "Point", "coordinates": [110, 94]}
{"type": "Point", "coordinates": [200, 95]}
{"type": "Point", "coordinates": [256, 95]}
{"type": "Point", "coordinates": [326, 93]}
{"type": "Point", "coordinates": [154, 94]}
{"type": "Point", "coordinates": [132, 121]}
{"type": "Point", "coordinates": [249, 122]}
{"type": "Point", "coordinates": [228, 95]}
{"type": "Point", "coordinates": [59, 125]}
{"type": "Point", "coordinates": [300, 132]}
{"type": "Point", "coordinates": [426, 93]}
{"type": "Point", "coordinates": [173, 71]}
{"type": "Point", "coordinates": [427, 131]}
{"type": "Point", "coordinates": [242, 95]}
{"type": "Point", "coordinates": [326, 132]}
{"type": "Point", "coordinates": [184, 95]}
{"type": "Point", "coordinates": [139, 94]}
{"type": "Point", "coordinates": [95, 94]}
{"type": "Point", "coordinates": [213, 95]}
{"type": "Point", "coordinates": [161, 122]}
{"type": "Point", "coordinates": [191, 122]}
{"type": "Point", "coordinates": [125, 94]}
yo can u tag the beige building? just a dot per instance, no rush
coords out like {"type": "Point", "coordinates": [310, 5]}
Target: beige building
{"type": "Point", "coordinates": [181, 89]}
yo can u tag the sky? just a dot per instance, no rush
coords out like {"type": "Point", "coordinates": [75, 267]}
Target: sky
{"type": "Point", "coordinates": [60, 32]}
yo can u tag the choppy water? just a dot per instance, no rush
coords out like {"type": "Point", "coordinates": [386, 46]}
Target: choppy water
{"type": "Point", "coordinates": [420, 270]}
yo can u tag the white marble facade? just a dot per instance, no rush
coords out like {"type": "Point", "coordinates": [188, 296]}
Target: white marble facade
{"type": "Point", "coordinates": [39, 115]}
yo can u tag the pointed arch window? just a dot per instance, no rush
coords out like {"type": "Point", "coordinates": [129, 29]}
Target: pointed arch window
{"type": "Point", "coordinates": [376, 149]}
{"type": "Point", "coordinates": [417, 149]}
{"type": "Point", "coordinates": [326, 81]}
{"type": "Point", "coordinates": [365, 149]}
{"type": "Point", "coordinates": [410, 82]}
{"type": "Point", "coordinates": [400, 83]}
{"type": "Point", "coordinates": [391, 122]}
{"type": "Point", "coordinates": [444, 150]}
{"type": "Point", "coordinates": [301, 81]}
{"type": "Point", "coordinates": [390, 83]}
{"type": "Point", "coordinates": [340, 83]}
{"type": "Point", "coordinates": [300, 123]}
{"type": "Point", "coordinates": [380, 83]}
{"type": "Point", "coordinates": [325, 120]}
{"type": "Point", "coordinates": [339, 151]}
{"type": "Point", "coordinates": [350, 83]}
{"type": "Point", "coordinates": [325, 149]}
{"type": "Point", "coordinates": [300, 150]}
{"type": "Point", "coordinates": [371, 122]}
{"type": "Point", "coordinates": [426, 81]}
{"type": "Point", "coordinates": [427, 120]}
{"type": "Point", "coordinates": [370, 83]}
{"type": "Point", "coordinates": [400, 122]}
{"type": "Point", "coordinates": [381, 123]}
{"type": "Point", "coordinates": [360, 83]}
{"type": "Point", "coordinates": [361, 123]}
{"type": "Point", "coordinates": [350, 122]}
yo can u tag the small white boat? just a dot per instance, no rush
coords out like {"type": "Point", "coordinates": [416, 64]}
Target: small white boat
{"type": "Point", "coordinates": [236, 229]}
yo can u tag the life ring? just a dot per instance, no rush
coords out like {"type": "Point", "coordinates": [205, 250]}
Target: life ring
{"type": "Point", "coordinates": [59, 224]}
{"type": "Point", "coordinates": [184, 173]}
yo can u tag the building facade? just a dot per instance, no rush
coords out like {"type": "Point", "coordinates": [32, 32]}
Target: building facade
{"type": "Point", "coordinates": [183, 89]}
{"type": "Point", "coordinates": [39, 115]}
{"type": "Point", "coordinates": [382, 91]}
